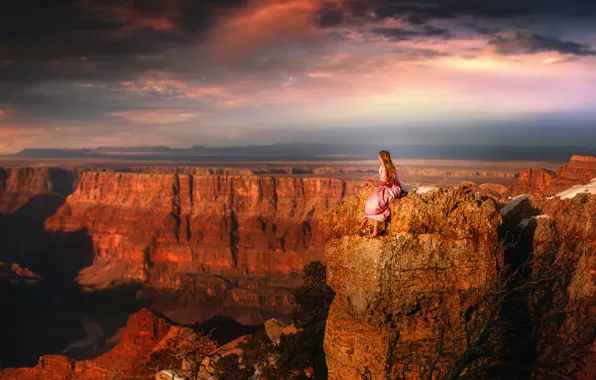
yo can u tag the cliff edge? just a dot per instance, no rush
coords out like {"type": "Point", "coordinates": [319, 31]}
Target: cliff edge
{"type": "Point", "coordinates": [417, 282]}
{"type": "Point", "coordinates": [457, 287]}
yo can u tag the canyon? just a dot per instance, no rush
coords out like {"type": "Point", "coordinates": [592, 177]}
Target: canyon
{"type": "Point", "coordinates": [208, 248]}
{"type": "Point", "coordinates": [225, 247]}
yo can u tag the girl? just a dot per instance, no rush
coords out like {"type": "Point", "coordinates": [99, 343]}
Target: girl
{"type": "Point", "coordinates": [388, 188]}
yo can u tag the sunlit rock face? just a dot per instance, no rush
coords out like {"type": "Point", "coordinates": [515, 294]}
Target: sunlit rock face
{"type": "Point", "coordinates": [578, 171]}
{"type": "Point", "coordinates": [228, 225]}
{"type": "Point", "coordinates": [236, 243]}
{"type": "Point", "coordinates": [404, 298]}
{"type": "Point", "coordinates": [533, 180]}
{"type": "Point", "coordinates": [438, 250]}
{"type": "Point", "coordinates": [19, 185]}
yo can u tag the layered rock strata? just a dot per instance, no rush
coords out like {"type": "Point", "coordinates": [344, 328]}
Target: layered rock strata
{"type": "Point", "coordinates": [226, 225]}
{"type": "Point", "coordinates": [19, 185]}
{"type": "Point", "coordinates": [533, 180]}
{"type": "Point", "coordinates": [233, 242]}
{"type": "Point", "coordinates": [578, 171]}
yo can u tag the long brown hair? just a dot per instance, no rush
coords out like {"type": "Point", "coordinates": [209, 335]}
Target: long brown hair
{"type": "Point", "coordinates": [388, 164]}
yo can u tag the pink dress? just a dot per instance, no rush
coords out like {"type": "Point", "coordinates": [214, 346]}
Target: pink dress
{"type": "Point", "coordinates": [377, 204]}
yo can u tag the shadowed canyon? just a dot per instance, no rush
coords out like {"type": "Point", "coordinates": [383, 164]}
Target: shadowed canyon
{"type": "Point", "coordinates": [101, 267]}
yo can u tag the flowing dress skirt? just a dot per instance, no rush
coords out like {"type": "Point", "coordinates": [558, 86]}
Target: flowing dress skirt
{"type": "Point", "coordinates": [377, 204]}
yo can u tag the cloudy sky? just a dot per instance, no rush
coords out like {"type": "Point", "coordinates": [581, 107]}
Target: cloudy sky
{"type": "Point", "coordinates": [93, 73]}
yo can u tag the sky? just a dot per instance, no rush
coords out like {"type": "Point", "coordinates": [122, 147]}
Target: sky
{"type": "Point", "coordinates": [91, 73]}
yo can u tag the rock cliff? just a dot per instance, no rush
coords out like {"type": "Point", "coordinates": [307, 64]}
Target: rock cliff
{"type": "Point", "coordinates": [558, 238]}
{"type": "Point", "coordinates": [578, 171]}
{"type": "Point", "coordinates": [19, 185]}
{"type": "Point", "coordinates": [415, 283]}
{"type": "Point", "coordinates": [226, 225]}
{"type": "Point", "coordinates": [233, 242]}
{"type": "Point", "coordinates": [435, 291]}
{"type": "Point", "coordinates": [532, 181]}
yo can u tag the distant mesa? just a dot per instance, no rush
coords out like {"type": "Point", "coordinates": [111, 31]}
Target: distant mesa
{"type": "Point", "coordinates": [315, 152]}
{"type": "Point", "coordinates": [580, 170]}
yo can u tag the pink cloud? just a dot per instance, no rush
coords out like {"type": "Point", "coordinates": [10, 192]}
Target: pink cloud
{"type": "Point", "coordinates": [263, 24]}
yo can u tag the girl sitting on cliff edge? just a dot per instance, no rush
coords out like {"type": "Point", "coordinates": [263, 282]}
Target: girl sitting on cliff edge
{"type": "Point", "coordinates": [376, 207]}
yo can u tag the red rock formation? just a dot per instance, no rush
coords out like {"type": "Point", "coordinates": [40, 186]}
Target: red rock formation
{"type": "Point", "coordinates": [176, 231]}
{"type": "Point", "coordinates": [560, 236]}
{"type": "Point", "coordinates": [18, 185]}
{"type": "Point", "coordinates": [578, 171]}
{"type": "Point", "coordinates": [15, 274]}
{"type": "Point", "coordinates": [438, 250]}
{"type": "Point", "coordinates": [407, 297]}
{"type": "Point", "coordinates": [200, 224]}
{"type": "Point", "coordinates": [493, 190]}
{"type": "Point", "coordinates": [145, 337]}
{"type": "Point", "coordinates": [532, 181]}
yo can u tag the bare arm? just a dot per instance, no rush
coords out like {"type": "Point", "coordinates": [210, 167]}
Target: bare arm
{"type": "Point", "coordinates": [377, 183]}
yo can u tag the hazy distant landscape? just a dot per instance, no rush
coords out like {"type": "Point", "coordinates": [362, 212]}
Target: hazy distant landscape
{"type": "Point", "coordinates": [314, 152]}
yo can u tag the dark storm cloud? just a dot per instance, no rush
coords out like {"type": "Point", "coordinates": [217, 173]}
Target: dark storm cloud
{"type": "Point", "coordinates": [398, 34]}
{"type": "Point", "coordinates": [329, 16]}
{"type": "Point", "coordinates": [59, 29]}
{"type": "Point", "coordinates": [535, 43]}
{"type": "Point", "coordinates": [413, 14]}
{"type": "Point", "coordinates": [481, 29]}
{"type": "Point", "coordinates": [487, 8]}
{"type": "Point", "coordinates": [52, 29]}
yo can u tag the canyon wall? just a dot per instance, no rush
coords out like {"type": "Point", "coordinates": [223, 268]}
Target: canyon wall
{"type": "Point", "coordinates": [19, 185]}
{"type": "Point", "coordinates": [234, 243]}
{"type": "Point", "coordinates": [228, 225]}
{"type": "Point", "coordinates": [578, 171]}
{"type": "Point", "coordinates": [533, 180]}
{"type": "Point", "coordinates": [558, 238]}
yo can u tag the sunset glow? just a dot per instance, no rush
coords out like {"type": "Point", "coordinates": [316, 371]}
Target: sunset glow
{"type": "Point", "coordinates": [174, 71]}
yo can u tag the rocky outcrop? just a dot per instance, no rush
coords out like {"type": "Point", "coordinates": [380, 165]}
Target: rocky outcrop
{"type": "Point", "coordinates": [15, 274]}
{"type": "Point", "coordinates": [578, 171]}
{"type": "Point", "coordinates": [136, 351]}
{"type": "Point", "coordinates": [557, 237]}
{"type": "Point", "coordinates": [19, 185]}
{"type": "Point", "coordinates": [275, 330]}
{"type": "Point", "coordinates": [493, 190]}
{"type": "Point", "coordinates": [453, 269]}
{"type": "Point", "coordinates": [406, 289]}
{"type": "Point", "coordinates": [532, 181]}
